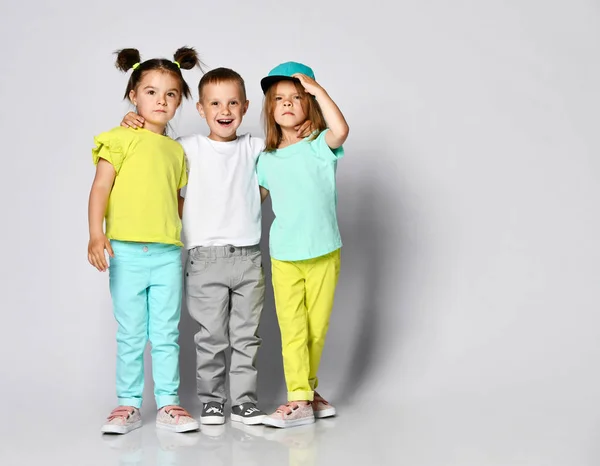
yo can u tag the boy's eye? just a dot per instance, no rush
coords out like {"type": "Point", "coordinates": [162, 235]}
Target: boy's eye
{"type": "Point", "coordinates": [214, 103]}
{"type": "Point", "coordinates": [233, 103]}
{"type": "Point", "coordinates": [151, 92]}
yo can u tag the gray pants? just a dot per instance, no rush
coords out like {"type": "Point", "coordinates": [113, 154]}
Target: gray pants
{"type": "Point", "coordinates": [225, 289]}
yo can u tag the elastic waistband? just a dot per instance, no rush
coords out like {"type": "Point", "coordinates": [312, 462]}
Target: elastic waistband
{"type": "Point", "coordinates": [130, 247]}
{"type": "Point", "coordinates": [211, 252]}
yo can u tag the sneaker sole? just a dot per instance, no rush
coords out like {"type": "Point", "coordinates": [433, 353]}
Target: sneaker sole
{"type": "Point", "coordinates": [329, 412]}
{"type": "Point", "coordinates": [249, 421]}
{"type": "Point", "coordinates": [179, 428]}
{"type": "Point", "coordinates": [283, 424]}
{"type": "Point", "coordinates": [212, 420]}
{"type": "Point", "coordinates": [110, 429]}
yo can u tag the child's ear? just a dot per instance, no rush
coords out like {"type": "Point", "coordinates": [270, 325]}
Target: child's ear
{"type": "Point", "coordinates": [132, 97]}
{"type": "Point", "coordinates": [246, 104]}
{"type": "Point", "coordinates": [200, 109]}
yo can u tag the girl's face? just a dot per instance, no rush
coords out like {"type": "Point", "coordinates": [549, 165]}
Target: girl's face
{"type": "Point", "coordinates": [157, 97]}
{"type": "Point", "coordinates": [289, 109]}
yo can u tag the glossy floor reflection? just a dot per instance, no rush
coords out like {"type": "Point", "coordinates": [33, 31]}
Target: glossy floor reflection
{"type": "Point", "coordinates": [471, 431]}
{"type": "Point", "coordinates": [231, 444]}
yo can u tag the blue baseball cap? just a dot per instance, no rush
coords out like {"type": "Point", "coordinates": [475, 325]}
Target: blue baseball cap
{"type": "Point", "coordinates": [285, 71]}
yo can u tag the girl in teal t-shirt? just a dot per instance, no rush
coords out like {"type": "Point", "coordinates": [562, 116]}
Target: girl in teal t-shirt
{"type": "Point", "coordinates": [304, 240]}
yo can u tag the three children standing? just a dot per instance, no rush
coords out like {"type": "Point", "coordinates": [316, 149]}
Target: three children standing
{"type": "Point", "coordinates": [221, 217]}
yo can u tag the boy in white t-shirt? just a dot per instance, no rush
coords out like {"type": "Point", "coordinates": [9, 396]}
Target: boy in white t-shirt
{"type": "Point", "coordinates": [224, 279]}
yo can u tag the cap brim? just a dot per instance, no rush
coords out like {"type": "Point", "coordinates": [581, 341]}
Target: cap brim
{"type": "Point", "coordinates": [267, 82]}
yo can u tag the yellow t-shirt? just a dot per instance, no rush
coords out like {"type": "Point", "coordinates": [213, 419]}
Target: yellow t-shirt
{"type": "Point", "coordinates": [150, 168]}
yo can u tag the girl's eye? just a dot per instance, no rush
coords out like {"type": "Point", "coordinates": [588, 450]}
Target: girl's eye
{"type": "Point", "coordinates": [171, 94]}
{"type": "Point", "coordinates": [297, 97]}
{"type": "Point", "coordinates": [151, 92]}
{"type": "Point", "coordinates": [277, 98]}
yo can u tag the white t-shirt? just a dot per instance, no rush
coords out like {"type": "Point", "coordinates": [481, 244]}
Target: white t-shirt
{"type": "Point", "coordinates": [222, 198]}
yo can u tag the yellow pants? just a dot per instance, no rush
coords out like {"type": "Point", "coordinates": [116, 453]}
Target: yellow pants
{"type": "Point", "coordinates": [304, 292]}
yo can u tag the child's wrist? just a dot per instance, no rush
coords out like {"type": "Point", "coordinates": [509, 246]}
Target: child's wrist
{"type": "Point", "coordinates": [96, 234]}
{"type": "Point", "coordinates": [320, 94]}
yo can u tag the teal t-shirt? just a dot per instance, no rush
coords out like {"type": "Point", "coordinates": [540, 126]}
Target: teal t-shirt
{"type": "Point", "coordinates": [301, 181]}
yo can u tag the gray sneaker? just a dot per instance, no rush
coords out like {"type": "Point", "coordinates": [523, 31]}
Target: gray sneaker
{"type": "Point", "coordinates": [247, 413]}
{"type": "Point", "coordinates": [122, 420]}
{"type": "Point", "coordinates": [212, 413]}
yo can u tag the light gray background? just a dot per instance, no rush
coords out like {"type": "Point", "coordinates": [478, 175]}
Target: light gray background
{"type": "Point", "coordinates": [467, 320]}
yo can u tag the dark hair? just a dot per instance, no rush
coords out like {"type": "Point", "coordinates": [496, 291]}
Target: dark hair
{"type": "Point", "coordinates": [219, 75]}
{"type": "Point", "coordinates": [311, 108]}
{"type": "Point", "coordinates": [185, 56]}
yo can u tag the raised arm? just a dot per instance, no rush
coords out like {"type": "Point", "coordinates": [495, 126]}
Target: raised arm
{"type": "Point", "coordinates": [338, 128]}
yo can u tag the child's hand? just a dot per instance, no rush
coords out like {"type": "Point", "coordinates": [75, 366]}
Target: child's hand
{"type": "Point", "coordinates": [304, 130]}
{"type": "Point", "coordinates": [96, 248]}
{"type": "Point", "coordinates": [310, 85]}
{"type": "Point", "coordinates": [133, 120]}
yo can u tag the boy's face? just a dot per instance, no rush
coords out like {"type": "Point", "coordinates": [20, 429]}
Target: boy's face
{"type": "Point", "coordinates": [223, 106]}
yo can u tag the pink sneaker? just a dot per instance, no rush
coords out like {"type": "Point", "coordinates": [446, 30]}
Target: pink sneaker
{"type": "Point", "coordinates": [175, 419]}
{"type": "Point", "coordinates": [291, 415]}
{"type": "Point", "coordinates": [122, 420]}
{"type": "Point", "coordinates": [321, 407]}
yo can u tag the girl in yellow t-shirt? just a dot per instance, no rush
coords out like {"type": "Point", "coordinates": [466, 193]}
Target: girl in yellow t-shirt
{"type": "Point", "coordinates": [136, 189]}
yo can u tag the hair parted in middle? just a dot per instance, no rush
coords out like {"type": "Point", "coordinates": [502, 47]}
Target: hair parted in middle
{"type": "Point", "coordinates": [311, 107]}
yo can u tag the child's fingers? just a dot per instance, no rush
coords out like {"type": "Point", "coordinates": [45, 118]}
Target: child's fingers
{"type": "Point", "coordinates": [102, 261]}
{"type": "Point", "coordinates": [303, 130]}
{"type": "Point", "coordinates": [135, 120]}
{"type": "Point", "coordinates": [99, 259]}
{"type": "Point", "coordinates": [109, 248]}
{"type": "Point", "coordinates": [94, 261]}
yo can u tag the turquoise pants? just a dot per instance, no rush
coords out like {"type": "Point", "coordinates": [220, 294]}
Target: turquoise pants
{"type": "Point", "coordinates": [146, 287]}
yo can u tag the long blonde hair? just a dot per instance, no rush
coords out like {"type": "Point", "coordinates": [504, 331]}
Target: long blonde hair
{"type": "Point", "coordinates": [311, 107]}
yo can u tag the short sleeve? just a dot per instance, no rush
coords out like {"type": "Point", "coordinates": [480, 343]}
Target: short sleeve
{"type": "Point", "coordinates": [190, 148]}
{"type": "Point", "coordinates": [260, 172]}
{"type": "Point", "coordinates": [257, 145]}
{"type": "Point", "coordinates": [110, 146]}
{"type": "Point", "coordinates": [323, 150]}
{"type": "Point", "coordinates": [183, 179]}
